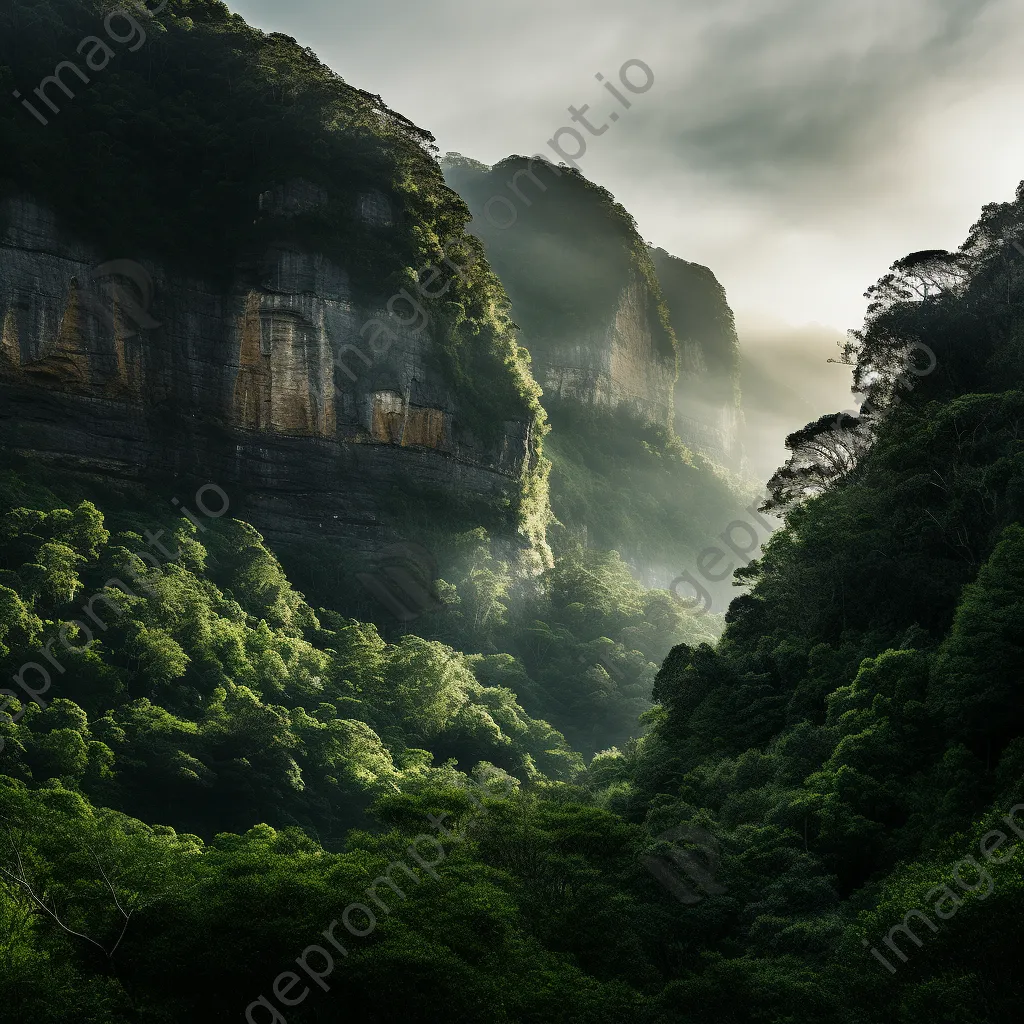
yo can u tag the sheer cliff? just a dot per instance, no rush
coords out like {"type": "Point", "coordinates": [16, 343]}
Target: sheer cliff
{"type": "Point", "coordinates": [268, 285]}
{"type": "Point", "coordinates": [604, 316]}
{"type": "Point", "coordinates": [637, 356]}
{"type": "Point", "coordinates": [582, 285]}
{"type": "Point", "coordinates": [708, 416]}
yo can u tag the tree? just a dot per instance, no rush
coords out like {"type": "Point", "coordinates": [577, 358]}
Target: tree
{"type": "Point", "coordinates": [919, 277]}
{"type": "Point", "coordinates": [825, 453]}
{"type": "Point", "coordinates": [976, 683]}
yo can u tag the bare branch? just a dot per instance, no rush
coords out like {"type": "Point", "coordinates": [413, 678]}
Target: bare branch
{"type": "Point", "coordinates": [42, 906]}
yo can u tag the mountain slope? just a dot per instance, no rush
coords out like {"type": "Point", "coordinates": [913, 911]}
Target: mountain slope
{"type": "Point", "coordinates": [252, 271]}
{"type": "Point", "coordinates": [601, 314]}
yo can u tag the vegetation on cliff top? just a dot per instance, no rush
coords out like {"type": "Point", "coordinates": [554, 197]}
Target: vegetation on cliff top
{"type": "Point", "coordinates": [699, 312]}
{"type": "Point", "coordinates": [705, 329]}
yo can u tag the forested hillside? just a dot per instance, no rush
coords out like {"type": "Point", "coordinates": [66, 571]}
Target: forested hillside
{"type": "Point", "coordinates": [164, 671]}
{"type": "Point", "coordinates": [226, 797]}
{"type": "Point", "coordinates": [844, 767]}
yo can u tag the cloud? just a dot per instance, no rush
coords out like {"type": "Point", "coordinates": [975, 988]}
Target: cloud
{"type": "Point", "coordinates": [796, 147]}
{"type": "Point", "coordinates": [793, 89]}
{"type": "Point", "coordinates": [787, 382]}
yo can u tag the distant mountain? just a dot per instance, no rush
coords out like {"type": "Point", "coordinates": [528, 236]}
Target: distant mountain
{"type": "Point", "coordinates": [583, 288]}
{"type": "Point", "coordinates": [634, 350]}
{"type": "Point", "coordinates": [604, 316]}
{"type": "Point", "coordinates": [708, 415]}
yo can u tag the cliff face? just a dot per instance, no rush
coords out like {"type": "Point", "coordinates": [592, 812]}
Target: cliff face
{"type": "Point", "coordinates": [601, 314]}
{"type": "Point", "coordinates": [582, 287]}
{"type": "Point", "coordinates": [271, 387]}
{"type": "Point", "coordinates": [212, 267]}
{"type": "Point", "coordinates": [615, 366]}
{"type": "Point", "coordinates": [592, 300]}
{"type": "Point", "coordinates": [708, 414]}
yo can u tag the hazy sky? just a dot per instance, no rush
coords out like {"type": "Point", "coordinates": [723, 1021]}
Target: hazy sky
{"type": "Point", "coordinates": [797, 147]}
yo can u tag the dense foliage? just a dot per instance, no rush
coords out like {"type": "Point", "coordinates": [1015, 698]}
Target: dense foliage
{"type": "Point", "coordinates": [580, 645]}
{"type": "Point", "coordinates": [194, 689]}
{"type": "Point", "coordinates": [618, 483]}
{"type": "Point", "coordinates": [231, 700]}
{"type": "Point", "coordinates": [218, 772]}
{"type": "Point", "coordinates": [859, 729]}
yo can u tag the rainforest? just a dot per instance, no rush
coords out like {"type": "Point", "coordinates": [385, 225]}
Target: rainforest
{"type": "Point", "coordinates": [487, 677]}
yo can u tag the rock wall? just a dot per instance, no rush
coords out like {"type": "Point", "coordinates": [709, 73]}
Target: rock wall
{"type": "Point", "coordinates": [268, 387]}
{"type": "Point", "coordinates": [708, 413]}
{"type": "Point", "coordinates": [576, 270]}
{"type": "Point", "coordinates": [615, 366]}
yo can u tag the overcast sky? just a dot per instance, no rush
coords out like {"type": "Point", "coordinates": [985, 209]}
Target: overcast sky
{"type": "Point", "coordinates": [796, 147]}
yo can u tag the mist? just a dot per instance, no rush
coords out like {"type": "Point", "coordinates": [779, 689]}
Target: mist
{"type": "Point", "coordinates": [787, 381]}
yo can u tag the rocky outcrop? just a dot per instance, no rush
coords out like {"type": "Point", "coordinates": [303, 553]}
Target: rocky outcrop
{"type": "Point", "coordinates": [615, 365]}
{"type": "Point", "coordinates": [278, 387]}
{"type": "Point", "coordinates": [582, 288]}
{"type": "Point", "coordinates": [708, 415]}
